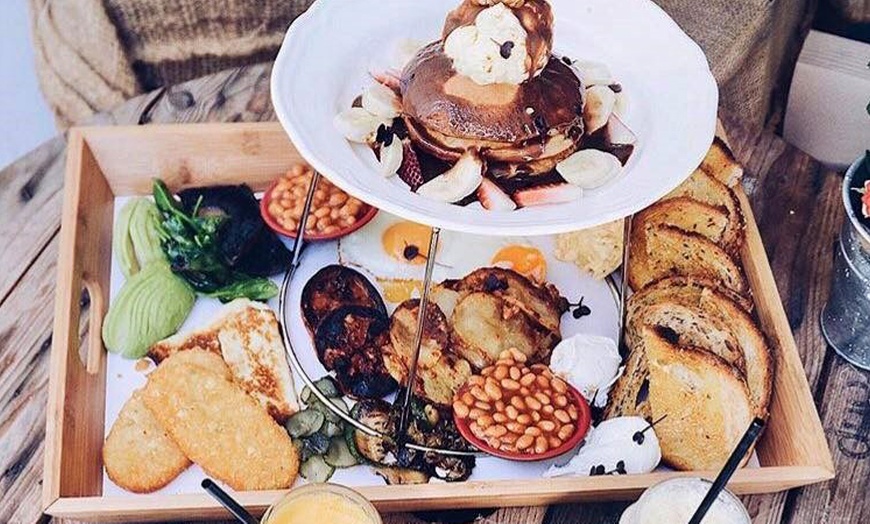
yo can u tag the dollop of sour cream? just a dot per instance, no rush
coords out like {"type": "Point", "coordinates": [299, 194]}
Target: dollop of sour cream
{"type": "Point", "coordinates": [590, 363]}
{"type": "Point", "coordinates": [615, 447]}
{"type": "Point", "coordinates": [492, 50]}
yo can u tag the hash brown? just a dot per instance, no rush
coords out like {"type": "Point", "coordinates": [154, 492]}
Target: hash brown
{"type": "Point", "coordinates": [219, 427]}
{"type": "Point", "coordinates": [138, 454]}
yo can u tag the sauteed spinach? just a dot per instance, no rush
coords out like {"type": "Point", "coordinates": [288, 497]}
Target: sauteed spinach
{"type": "Point", "coordinates": [192, 243]}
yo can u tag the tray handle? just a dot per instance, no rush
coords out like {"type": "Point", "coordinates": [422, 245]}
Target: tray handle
{"type": "Point", "coordinates": [96, 314]}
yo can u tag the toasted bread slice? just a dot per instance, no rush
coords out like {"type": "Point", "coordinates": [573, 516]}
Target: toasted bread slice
{"type": "Point", "coordinates": [660, 251]}
{"type": "Point", "coordinates": [704, 401]}
{"type": "Point", "coordinates": [629, 396]}
{"type": "Point", "coordinates": [692, 286]}
{"type": "Point", "coordinates": [687, 326]}
{"type": "Point", "coordinates": [708, 317]}
{"type": "Point", "coordinates": [704, 188]}
{"type": "Point", "coordinates": [687, 214]}
{"type": "Point", "coordinates": [138, 454]}
{"type": "Point", "coordinates": [252, 347]}
{"type": "Point", "coordinates": [721, 164]}
{"type": "Point", "coordinates": [219, 427]}
{"type": "Point", "coordinates": [246, 334]}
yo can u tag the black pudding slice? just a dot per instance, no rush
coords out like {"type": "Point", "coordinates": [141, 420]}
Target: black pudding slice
{"type": "Point", "coordinates": [335, 286]}
{"type": "Point", "coordinates": [349, 341]}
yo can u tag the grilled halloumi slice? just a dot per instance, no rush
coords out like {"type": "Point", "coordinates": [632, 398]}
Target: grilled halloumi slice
{"type": "Point", "coordinates": [246, 334]}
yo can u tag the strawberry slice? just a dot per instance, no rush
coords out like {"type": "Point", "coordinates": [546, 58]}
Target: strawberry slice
{"type": "Point", "coordinates": [410, 171]}
{"type": "Point", "coordinates": [493, 198]}
{"type": "Point", "coordinates": [549, 194]}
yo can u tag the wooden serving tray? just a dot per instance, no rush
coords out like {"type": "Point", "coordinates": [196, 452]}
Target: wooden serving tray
{"type": "Point", "coordinates": [107, 162]}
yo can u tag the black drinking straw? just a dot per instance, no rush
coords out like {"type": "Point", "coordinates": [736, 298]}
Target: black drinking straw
{"type": "Point", "coordinates": [228, 502]}
{"type": "Point", "coordinates": [728, 470]}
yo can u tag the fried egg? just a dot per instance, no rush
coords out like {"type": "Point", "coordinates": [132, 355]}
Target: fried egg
{"type": "Point", "coordinates": [394, 251]}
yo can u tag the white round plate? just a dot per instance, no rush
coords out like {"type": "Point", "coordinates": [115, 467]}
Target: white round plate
{"type": "Point", "coordinates": [328, 53]}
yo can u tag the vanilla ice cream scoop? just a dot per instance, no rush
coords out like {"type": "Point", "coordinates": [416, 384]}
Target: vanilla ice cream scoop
{"type": "Point", "coordinates": [622, 445]}
{"type": "Point", "coordinates": [495, 42]}
{"type": "Point", "coordinates": [676, 500]}
{"type": "Point", "coordinates": [590, 363]}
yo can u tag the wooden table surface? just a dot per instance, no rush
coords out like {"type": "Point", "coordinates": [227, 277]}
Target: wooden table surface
{"type": "Point", "coordinates": [796, 202]}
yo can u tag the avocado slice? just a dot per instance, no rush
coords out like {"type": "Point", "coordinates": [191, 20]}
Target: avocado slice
{"type": "Point", "coordinates": [151, 306]}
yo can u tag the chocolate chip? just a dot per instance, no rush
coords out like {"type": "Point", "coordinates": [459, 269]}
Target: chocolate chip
{"type": "Point", "coordinates": [616, 88]}
{"type": "Point", "coordinates": [506, 49]}
{"type": "Point", "coordinates": [411, 252]}
{"type": "Point", "coordinates": [492, 283]}
{"type": "Point", "coordinates": [541, 124]}
{"type": "Point", "coordinates": [580, 309]}
{"type": "Point", "coordinates": [384, 135]}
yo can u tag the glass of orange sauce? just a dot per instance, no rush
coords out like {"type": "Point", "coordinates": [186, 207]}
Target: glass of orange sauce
{"type": "Point", "coordinates": [322, 504]}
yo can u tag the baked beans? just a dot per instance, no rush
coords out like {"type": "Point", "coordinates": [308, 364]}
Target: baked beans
{"type": "Point", "coordinates": [516, 408]}
{"type": "Point", "coordinates": [331, 210]}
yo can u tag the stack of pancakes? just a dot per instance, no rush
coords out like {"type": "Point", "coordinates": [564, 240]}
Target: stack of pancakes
{"type": "Point", "coordinates": [519, 129]}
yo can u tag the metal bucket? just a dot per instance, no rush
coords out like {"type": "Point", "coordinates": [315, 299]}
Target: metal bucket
{"type": "Point", "coordinates": [846, 317]}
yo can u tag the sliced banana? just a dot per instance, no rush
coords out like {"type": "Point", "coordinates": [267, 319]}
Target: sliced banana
{"type": "Point", "coordinates": [593, 73]}
{"type": "Point", "coordinates": [589, 168]}
{"type": "Point", "coordinates": [391, 157]}
{"type": "Point", "coordinates": [456, 183]}
{"type": "Point", "coordinates": [600, 101]}
{"type": "Point", "coordinates": [357, 124]}
{"type": "Point", "coordinates": [381, 101]}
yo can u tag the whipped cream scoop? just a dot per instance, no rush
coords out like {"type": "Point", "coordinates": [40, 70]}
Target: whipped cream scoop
{"type": "Point", "coordinates": [590, 363]}
{"type": "Point", "coordinates": [622, 445]}
{"type": "Point", "coordinates": [492, 50]}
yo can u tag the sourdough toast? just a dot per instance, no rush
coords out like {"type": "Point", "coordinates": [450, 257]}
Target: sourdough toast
{"type": "Point", "coordinates": [704, 316]}
{"type": "Point", "coordinates": [704, 403]}
{"type": "Point", "coordinates": [660, 251]}
{"type": "Point", "coordinates": [721, 164]}
{"type": "Point", "coordinates": [705, 188]}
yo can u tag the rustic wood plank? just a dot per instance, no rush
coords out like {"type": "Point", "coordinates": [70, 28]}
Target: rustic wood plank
{"type": "Point", "coordinates": [845, 411]}
{"type": "Point", "coordinates": [25, 340]}
{"type": "Point", "coordinates": [30, 200]}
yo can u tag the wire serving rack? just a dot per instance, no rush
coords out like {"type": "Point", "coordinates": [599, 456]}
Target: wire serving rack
{"type": "Point", "coordinates": [615, 284]}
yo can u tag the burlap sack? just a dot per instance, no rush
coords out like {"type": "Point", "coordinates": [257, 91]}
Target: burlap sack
{"type": "Point", "coordinates": [751, 45]}
{"type": "Point", "coordinates": [92, 54]}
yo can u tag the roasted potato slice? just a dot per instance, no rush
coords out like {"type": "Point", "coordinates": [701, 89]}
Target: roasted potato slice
{"type": "Point", "coordinates": [335, 286]}
{"type": "Point", "coordinates": [543, 304]}
{"type": "Point", "coordinates": [439, 371]}
{"type": "Point", "coordinates": [484, 325]}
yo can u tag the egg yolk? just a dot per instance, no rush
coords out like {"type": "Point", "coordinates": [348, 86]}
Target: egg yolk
{"type": "Point", "coordinates": [408, 242]}
{"type": "Point", "coordinates": [398, 291]}
{"type": "Point", "coordinates": [525, 260]}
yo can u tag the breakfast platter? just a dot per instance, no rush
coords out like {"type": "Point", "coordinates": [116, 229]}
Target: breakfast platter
{"type": "Point", "coordinates": [86, 394]}
{"type": "Point", "coordinates": [476, 275]}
